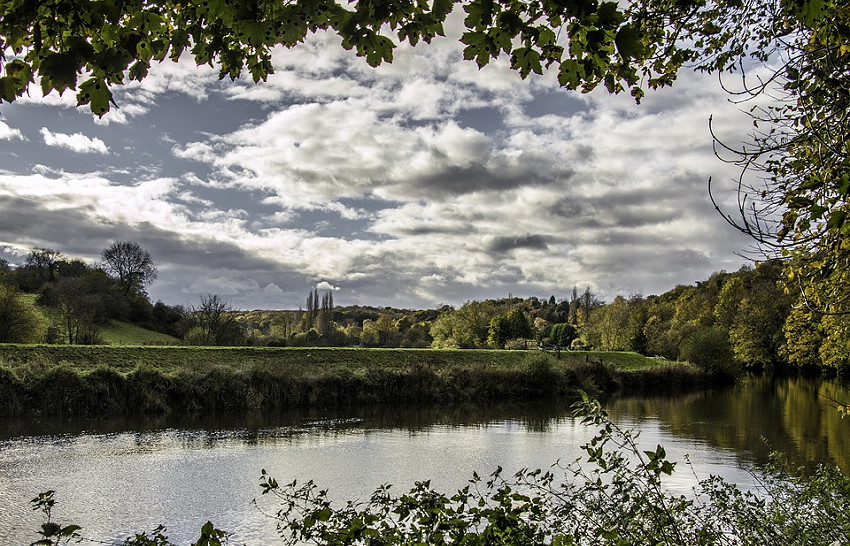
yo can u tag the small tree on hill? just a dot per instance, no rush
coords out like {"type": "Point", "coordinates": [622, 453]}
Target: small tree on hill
{"type": "Point", "coordinates": [213, 323]}
{"type": "Point", "coordinates": [45, 261]}
{"type": "Point", "coordinates": [130, 264]}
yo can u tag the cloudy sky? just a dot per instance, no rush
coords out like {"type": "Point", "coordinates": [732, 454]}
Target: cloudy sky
{"type": "Point", "coordinates": [416, 184]}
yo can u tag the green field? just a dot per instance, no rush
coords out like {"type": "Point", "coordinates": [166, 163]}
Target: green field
{"type": "Point", "coordinates": [124, 333]}
{"type": "Point", "coordinates": [126, 356]}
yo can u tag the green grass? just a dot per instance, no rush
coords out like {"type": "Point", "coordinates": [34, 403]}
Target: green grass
{"type": "Point", "coordinates": [124, 333]}
{"type": "Point", "coordinates": [622, 360]}
{"type": "Point", "coordinates": [123, 355]}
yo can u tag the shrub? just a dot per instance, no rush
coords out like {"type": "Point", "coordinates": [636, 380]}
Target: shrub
{"type": "Point", "coordinates": [20, 322]}
{"type": "Point", "coordinates": [709, 349]}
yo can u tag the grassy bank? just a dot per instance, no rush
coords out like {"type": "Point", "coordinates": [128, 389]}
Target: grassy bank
{"type": "Point", "coordinates": [110, 380]}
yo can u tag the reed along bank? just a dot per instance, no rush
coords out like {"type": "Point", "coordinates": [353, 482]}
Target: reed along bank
{"type": "Point", "coordinates": [109, 381]}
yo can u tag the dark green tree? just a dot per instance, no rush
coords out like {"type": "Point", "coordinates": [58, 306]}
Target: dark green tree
{"type": "Point", "coordinates": [130, 264]}
{"type": "Point", "coordinates": [563, 334]}
{"type": "Point", "coordinates": [45, 262]}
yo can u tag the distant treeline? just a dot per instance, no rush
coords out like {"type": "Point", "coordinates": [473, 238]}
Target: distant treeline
{"type": "Point", "coordinates": [731, 320]}
{"type": "Point", "coordinates": [743, 319]}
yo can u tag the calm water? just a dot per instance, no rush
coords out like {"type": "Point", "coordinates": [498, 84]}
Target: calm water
{"type": "Point", "coordinates": [115, 477]}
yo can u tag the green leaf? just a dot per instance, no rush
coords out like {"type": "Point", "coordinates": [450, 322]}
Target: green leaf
{"type": "Point", "coordinates": [526, 60]}
{"type": "Point", "coordinates": [8, 89]}
{"type": "Point", "coordinates": [571, 74]}
{"type": "Point", "coordinates": [812, 11]}
{"type": "Point", "coordinates": [836, 219]}
{"type": "Point", "coordinates": [376, 49]}
{"type": "Point", "coordinates": [96, 94]}
{"type": "Point", "coordinates": [545, 37]}
{"type": "Point", "coordinates": [58, 71]}
{"type": "Point", "coordinates": [479, 14]}
{"type": "Point", "coordinates": [628, 41]}
{"type": "Point", "coordinates": [15, 82]}
{"type": "Point", "coordinates": [479, 47]}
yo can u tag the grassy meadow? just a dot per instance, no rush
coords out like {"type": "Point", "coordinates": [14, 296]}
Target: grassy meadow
{"type": "Point", "coordinates": [124, 379]}
{"type": "Point", "coordinates": [125, 333]}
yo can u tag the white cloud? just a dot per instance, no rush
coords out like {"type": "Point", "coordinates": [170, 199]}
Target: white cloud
{"type": "Point", "coordinates": [76, 142]}
{"type": "Point", "coordinates": [9, 133]}
{"type": "Point", "coordinates": [121, 114]}
{"type": "Point", "coordinates": [325, 285]}
{"type": "Point", "coordinates": [421, 182]}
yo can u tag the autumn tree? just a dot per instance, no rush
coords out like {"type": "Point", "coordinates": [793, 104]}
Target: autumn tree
{"type": "Point", "coordinates": [586, 303]}
{"type": "Point", "coordinates": [794, 187]}
{"type": "Point", "coordinates": [379, 332]}
{"type": "Point", "coordinates": [466, 327]}
{"type": "Point", "coordinates": [803, 338]}
{"type": "Point", "coordinates": [130, 265]}
{"type": "Point", "coordinates": [607, 328]}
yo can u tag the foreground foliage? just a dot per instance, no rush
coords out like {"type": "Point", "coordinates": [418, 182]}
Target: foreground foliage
{"type": "Point", "coordinates": [614, 495]}
{"type": "Point", "coordinates": [109, 42]}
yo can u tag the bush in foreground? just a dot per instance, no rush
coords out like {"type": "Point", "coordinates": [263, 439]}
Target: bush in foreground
{"type": "Point", "coordinates": [614, 496]}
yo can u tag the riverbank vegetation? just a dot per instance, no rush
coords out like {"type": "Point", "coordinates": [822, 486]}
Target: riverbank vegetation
{"type": "Point", "coordinates": [102, 380]}
{"type": "Point", "coordinates": [731, 321]}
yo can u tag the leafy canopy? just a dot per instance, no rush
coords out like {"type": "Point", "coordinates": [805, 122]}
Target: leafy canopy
{"type": "Point", "coordinates": [624, 46]}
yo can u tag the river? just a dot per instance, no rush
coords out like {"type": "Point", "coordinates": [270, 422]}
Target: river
{"type": "Point", "coordinates": [114, 477]}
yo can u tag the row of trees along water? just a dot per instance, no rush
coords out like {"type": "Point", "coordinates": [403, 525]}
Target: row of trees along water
{"type": "Point", "coordinates": [746, 318]}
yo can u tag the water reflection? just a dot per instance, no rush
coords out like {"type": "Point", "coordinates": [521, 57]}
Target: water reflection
{"type": "Point", "coordinates": [115, 476]}
{"type": "Point", "coordinates": [796, 416]}
{"type": "Point", "coordinates": [534, 416]}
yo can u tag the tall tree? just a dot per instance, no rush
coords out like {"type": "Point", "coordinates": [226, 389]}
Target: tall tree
{"type": "Point", "coordinates": [607, 329]}
{"type": "Point", "coordinates": [574, 302]}
{"type": "Point", "coordinates": [130, 264]}
{"type": "Point", "coordinates": [326, 313]}
{"type": "Point", "coordinates": [312, 309]}
{"type": "Point", "coordinates": [586, 303]}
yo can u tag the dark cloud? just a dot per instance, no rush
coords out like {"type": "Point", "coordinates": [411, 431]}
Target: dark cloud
{"type": "Point", "coordinates": [32, 223]}
{"type": "Point", "coordinates": [453, 181]}
{"type": "Point", "coordinates": [500, 245]}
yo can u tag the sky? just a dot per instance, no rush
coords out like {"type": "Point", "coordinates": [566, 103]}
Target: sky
{"type": "Point", "coordinates": [420, 183]}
